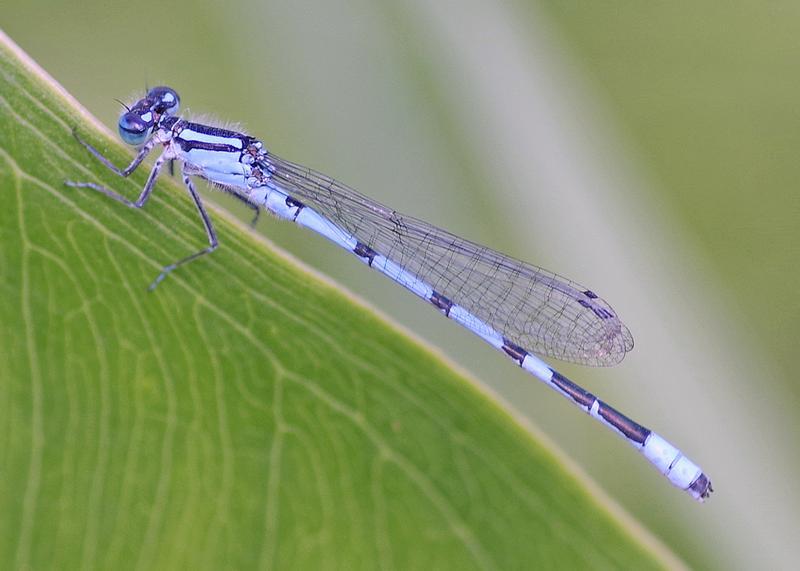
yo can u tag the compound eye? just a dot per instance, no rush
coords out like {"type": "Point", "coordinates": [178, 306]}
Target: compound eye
{"type": "Point", "coordinates": [134, 128]}
{"type": "Point", "coordinates": [166, 100]}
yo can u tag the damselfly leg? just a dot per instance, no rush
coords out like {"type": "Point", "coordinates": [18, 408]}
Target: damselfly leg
{"type": "Point", "coordinates": [145, 195]}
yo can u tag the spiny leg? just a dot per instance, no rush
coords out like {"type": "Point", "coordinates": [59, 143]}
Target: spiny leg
{"type": "Point", "coordinates": [143, 196]}
{"type": "Point", "coordinates": [254, 207]}
{"type": "Point", "coordinates": [254, 221]}
{"type": "Point", "coordinates": [210, 233]}
{"type": "Point", "coordinates": [137, 160]}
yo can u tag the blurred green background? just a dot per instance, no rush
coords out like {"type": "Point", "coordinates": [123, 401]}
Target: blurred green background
{"type": "Point", "coordinates": [648, 152]}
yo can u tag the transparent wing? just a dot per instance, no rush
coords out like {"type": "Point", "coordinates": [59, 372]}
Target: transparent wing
{"type": "Point", "coordinates": [532, 307]}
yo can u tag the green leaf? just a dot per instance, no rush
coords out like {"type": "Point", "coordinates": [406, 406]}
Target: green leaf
{"type": "Point", "coordinates": [247, 413]}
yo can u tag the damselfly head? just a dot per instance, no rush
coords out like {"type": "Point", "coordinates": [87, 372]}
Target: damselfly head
{"type": "Point", "coordinates": [139, 121]}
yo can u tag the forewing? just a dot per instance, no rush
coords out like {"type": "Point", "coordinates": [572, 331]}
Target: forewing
{"type": "Point", "coordinates": [530, 306]}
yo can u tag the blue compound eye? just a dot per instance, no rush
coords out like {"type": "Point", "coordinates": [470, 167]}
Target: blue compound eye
{"type": "Point", "coordinates": [134, 128]}
{"type": "Point", "coordinates": [166, 100]}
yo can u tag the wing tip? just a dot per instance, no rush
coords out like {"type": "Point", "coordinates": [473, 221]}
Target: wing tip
{"type": "Point", "coordinates": [610, 349]}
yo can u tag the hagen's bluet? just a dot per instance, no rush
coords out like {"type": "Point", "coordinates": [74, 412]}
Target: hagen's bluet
{"type": "Point", "coordinates": [515, 307]}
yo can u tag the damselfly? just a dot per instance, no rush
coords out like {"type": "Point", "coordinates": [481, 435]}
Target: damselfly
{"type": "Point", "coordinates": [515, 307]}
